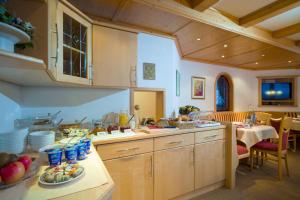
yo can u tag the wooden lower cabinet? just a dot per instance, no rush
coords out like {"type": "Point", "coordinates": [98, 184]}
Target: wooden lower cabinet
{"type": "Point", "coordinates": [133, 176]}
{"type": "Point", "coordinates": [209, 163]}
{"type": "Point", "coordinates": [173, 172]}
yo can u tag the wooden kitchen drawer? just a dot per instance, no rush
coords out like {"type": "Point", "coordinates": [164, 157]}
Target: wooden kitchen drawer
{"type": "Point", "coordinates": [122, 149]}
{"type": "Point", "coordinates": [167, 142]}
{"type": "Point", "coordinates": [207, 136]}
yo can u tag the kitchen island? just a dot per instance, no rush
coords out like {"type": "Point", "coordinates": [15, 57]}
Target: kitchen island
{"type": "Point", "coordinates": [167, 163]}
{"type": "Point", "coordinates": [96, 184]}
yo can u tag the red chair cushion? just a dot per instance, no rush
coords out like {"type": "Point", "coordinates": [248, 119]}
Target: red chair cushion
{"type": "Point", "coordinates": [241, 150]}
{"type": "Point", "coordinates": [265, 145]}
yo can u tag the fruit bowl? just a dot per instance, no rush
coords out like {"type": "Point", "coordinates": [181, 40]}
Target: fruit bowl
{"type": "Point", "coordinates": [32, 170]}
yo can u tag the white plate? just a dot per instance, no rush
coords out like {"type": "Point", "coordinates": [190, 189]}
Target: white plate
{"type": "Point", "coordinates": [64, 182]}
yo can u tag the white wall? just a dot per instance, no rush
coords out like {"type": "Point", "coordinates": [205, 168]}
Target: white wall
{"type": "Point", "coordinates": [75, 103]}
{"type": "Point", "coordinates": [160, 51]}
{"type": "Point", "coordinates": [244, 81]}
{"type": "Point", "coordinates": [244, 85]}
{"type": "Point", "coordinates": [9, 106]}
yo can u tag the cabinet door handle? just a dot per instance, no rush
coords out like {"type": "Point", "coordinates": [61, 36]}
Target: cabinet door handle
{"type": "Point", "coordinates": [126, 150]}
{"type": "Point", "coordinates": [210, 137]}
{"type": "Point", "coordinates": [176, 142]}
{"type": "Point", "coordinates": [192, 159]}
{"type": "Point", "coordinates": [56, 56]}
{"type": "Point", "coordinates": [151, 166]}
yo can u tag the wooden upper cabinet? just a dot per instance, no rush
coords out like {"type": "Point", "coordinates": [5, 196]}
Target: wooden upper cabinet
{"type": "Point", "coordinates": [114, 57]}
{"type": "Point", "coordinates": [133, 177]}
{"type": "Point", "coordinates": [173, 172]}
{"type": "Point", "coordinates": [74, 50]}
{"type": "Point", "coordinates": [209, 163]}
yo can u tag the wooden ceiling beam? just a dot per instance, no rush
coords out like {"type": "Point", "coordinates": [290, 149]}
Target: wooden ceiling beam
{"type": "Point", "coordinates": [122, 5]}
{"type": "Point", "coordinates": [202, 5]}
{"type": "Point", "coordinates": [215, 18]}
{"type": "Point", "coordinates": [290, 30]}
{"type": "Point", "coordinates": [271, 10]}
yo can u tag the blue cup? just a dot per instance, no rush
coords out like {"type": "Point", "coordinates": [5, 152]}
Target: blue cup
{"type": "Point", "coordinates": [81, 151]}
{"type": "Point", "coordinates": [71, 154]}
{"type": "Point", "coordinates": [87, 145]}
{"type": "Point", "coordinates": [55, 157]}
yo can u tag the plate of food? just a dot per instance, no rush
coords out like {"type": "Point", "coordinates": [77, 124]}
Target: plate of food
{"type": "Point", "coordinates": [61, 174]}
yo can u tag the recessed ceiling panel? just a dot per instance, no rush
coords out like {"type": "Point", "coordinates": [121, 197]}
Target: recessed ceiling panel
{"type": "Point", "coordinates": [100, 8]}
{"type": "Point", "coordinates": [281, 21]}
{"type": "Point", "coordinates": [240, 8]}
{"type": "Point", "coordinates": [196, 36]}
{"type": "Point", "coordinates": [142, 15]}
{"type": "Point", "coordinates": [228, 48]}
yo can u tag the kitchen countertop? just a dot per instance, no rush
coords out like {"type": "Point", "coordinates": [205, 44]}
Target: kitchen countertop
{"type": "Point", "coordinates": [101, 190]}
{"type": "Point", "coordinates": [153, 133]}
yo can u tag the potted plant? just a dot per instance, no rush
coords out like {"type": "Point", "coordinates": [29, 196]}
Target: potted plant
{"type": "Point", "coordinates": [13, 31]}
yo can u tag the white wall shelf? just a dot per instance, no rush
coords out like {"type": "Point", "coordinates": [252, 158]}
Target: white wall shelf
{"type": "Point", "coordinates": [23, 70]}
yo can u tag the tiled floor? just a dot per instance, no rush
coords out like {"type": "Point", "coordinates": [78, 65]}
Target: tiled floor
{"type": "Point", "coordinates": [262, 183]}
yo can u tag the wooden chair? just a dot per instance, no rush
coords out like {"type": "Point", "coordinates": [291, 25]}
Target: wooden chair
{"type": "Point", "coordinates": [263, 118]}
{"type": "Point", "coordinates": [242, 151]}
{"type": "Point", "coordinates": [293, 139]}
{"type": "Point", "coordinates": [277, 150]}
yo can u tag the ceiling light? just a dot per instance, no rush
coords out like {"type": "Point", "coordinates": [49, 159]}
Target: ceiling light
{"type": "Point", "coordinates": [256, 63]}
{"type": "Point", "coordinates": [225, 45]}
{"type": "Point", "coordinates": [223, 56]}
{"type": "Point", "coordinates": [263, 55]}
{"type": "Point", "coordinates": [198, 39]}
{"type": "Point", "coordinates": [289, 61]}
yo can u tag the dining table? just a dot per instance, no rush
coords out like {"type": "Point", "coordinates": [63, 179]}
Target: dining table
{"type": "Point", "coordinates": [254, 134]}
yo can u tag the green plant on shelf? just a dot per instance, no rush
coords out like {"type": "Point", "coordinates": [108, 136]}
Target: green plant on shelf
{"type": "Point", "coordinates": [7, 18]}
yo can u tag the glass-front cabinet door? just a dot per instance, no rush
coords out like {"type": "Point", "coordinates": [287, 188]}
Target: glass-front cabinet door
{"type": "Point", "coordinates": [74, 47]}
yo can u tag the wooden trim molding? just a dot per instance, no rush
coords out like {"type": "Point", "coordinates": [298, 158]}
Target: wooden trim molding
{"type": "Point", "coordinates": [290, 30]}
{"type": "Point", "coordinates": [268, 11]}
{"type": "Point", "coordinates": [231, 90]}
{"type": "Point", "coordinates": [202, 5]}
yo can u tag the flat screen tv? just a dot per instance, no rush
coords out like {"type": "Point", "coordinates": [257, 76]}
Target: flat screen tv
{"type": "Point", "coordinates": [277, 91]}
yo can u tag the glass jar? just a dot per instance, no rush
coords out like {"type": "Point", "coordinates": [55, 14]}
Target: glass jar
{"type": "Point", "coordinates": [123, 118]}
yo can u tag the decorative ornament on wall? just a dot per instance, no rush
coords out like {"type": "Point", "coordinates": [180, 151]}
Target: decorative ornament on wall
{"type": "Point", "coordinates": [198, 88]}
{"type": "Point", "coordinates": [149, 71]}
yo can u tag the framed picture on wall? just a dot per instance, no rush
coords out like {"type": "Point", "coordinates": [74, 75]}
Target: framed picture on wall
{"type": "Point", "coordinates": [198, 87]}
{"type": "Point", "coordinates": [177, 83]}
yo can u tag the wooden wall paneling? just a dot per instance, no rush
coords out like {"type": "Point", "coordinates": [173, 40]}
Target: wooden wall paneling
{"type": "Point", "coordinates": [101, 8]}
{"type": "Point", "coordinates": [215, 18]}
{"type": "Point", "coordinates": [208, 35]}
{"type": "Point", "coordinates": [268, 11]}
{"type": "Point", "coordinates": [142, 15]}
{"type": "Point", "coordinates": [264, 57]}
{"type": "Point", "coordinates": [129, 27]}
{"type": "Point", "coordinates": [235, 46]}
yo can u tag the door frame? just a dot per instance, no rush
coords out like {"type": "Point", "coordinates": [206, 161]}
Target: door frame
{"type": "Point", "coordinates": [132, 90]}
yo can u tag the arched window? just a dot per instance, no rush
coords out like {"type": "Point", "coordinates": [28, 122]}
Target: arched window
{"type": "Point", "coordinates": [223, 93]}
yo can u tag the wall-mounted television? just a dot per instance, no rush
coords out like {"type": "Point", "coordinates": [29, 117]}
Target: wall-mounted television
{"type": "Point", "coordinates": [277, 91]}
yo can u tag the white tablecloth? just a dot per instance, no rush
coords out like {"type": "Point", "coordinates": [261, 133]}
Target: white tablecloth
{"type": "Point", "coordinates": [251, 136]}
{"type": "Point", "coordinates": [296, 125]}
